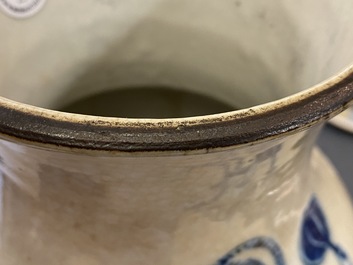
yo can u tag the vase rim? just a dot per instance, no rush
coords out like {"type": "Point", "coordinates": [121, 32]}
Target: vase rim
{"type": "Point", "coordinates": [50, 128]}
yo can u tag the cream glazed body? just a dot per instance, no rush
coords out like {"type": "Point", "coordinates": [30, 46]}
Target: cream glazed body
{"type": "Point", "coordinates": [244, 187]}
{"type": "Point", "coordinates": [189, 208]}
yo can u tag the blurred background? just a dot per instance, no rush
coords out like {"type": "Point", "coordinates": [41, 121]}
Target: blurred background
{"type": "Point", "coordinates": [338, 146]}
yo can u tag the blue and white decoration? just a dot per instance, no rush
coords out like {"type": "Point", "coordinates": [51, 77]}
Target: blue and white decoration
{"type": "Point", "coordinates": [315, 238]}
{"type": "Point", "coordinates": [259, 242]}
{"type": "Point", "coordinates": [315, 242]}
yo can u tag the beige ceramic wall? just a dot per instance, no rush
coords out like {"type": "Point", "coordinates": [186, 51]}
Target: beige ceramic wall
{"type": "Point", "coordinates": [160, 208]}
{"type": "Point", "coordinates": [242, 52]}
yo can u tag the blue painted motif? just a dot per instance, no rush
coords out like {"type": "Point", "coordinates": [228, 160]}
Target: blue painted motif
{"type": "Point", "coordinates": [259, 242]}
{"type": "Point", "coordinates": [315, 240]}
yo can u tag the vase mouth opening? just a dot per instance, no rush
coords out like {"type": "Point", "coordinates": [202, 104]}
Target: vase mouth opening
{"type": "Point", "coordinates": [68, 131]}
{"type": "Point", "coordinates": [173, 77]}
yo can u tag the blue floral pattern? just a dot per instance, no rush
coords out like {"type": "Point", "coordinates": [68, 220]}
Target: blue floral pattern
{"type": "Point", "coordinates": [259, 242]}
{"type": "Point", "coordinates": [315, 242]}
{"type": "Point", "coordinates": [315, 238]}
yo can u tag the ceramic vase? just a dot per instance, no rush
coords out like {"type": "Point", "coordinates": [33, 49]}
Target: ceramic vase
{"type": "Point", "coordinates": [244, 187]}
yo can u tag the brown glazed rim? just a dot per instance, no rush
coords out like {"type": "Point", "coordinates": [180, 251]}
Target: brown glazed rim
{"type": "Point", "coordinates": [53, 129]}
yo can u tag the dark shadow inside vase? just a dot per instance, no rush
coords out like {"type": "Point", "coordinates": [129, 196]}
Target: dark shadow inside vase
{"type": "Point", "coordinates": [147, 102]}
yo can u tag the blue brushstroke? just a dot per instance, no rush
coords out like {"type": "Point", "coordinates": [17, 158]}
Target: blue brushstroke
{"type": "Point", "coordinates": [257, 242]}
{"type": "Point", "coordinates": [315, 242]}
{"type": "Point", "coordinates": [315, 239]}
